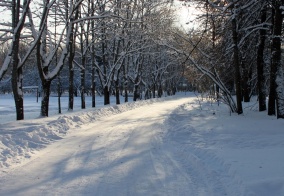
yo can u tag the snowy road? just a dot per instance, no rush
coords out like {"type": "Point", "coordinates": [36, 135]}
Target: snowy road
{"type": "Point", "coordinates": [171, 146]}
{"type": "Point", "coordinates": [123, 154]}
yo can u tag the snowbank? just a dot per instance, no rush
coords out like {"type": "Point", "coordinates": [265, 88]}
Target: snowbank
{"type": "Point", "coordinates": [19, 140]}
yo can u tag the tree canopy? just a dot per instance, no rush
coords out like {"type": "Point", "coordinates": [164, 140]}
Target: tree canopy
{"type": "Point", "coordinates": [135, 47]}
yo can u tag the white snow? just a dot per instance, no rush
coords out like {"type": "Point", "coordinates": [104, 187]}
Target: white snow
{"type": "Point", "coordinates": [168, 146]}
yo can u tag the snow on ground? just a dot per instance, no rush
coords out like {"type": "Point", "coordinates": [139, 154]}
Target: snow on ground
{"type": "Point", "coordinates": [170, 146]}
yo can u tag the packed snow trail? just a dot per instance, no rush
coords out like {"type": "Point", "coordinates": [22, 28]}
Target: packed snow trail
{"type": "Point", "coordinates": [124, 154]}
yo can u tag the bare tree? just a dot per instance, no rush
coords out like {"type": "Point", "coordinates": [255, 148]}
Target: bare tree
{"type": "Point", "coordinates": [18, 13]}
{"type": "Point", "coordinates": [276, 75]}
{"type": "Point", "coordinates": [260, 62]}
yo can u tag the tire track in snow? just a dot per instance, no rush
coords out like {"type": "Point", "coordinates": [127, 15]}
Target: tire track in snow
{"type": "Point", "coordinates": [210, 175]}
{"type": "Point", "coordinates": [113, 156]}
{"type": "Point", "coordinates": [133, 146]}
{"type": "Point", "coordinates": [137, 161]}
{"type": "Point", "coordinates": [169, 169]}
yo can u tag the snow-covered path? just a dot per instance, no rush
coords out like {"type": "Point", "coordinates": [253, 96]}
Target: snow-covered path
{"type": "Point", "coordinates": [117, 155]}
{"type": "Point", "coordinates": [170, 146]}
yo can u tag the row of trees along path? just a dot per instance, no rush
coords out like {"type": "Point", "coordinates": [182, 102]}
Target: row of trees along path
{"type": "Point", "coordinates": [136, 45]}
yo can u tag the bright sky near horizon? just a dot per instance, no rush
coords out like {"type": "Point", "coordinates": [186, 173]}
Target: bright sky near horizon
{"type": "Point", "coordinates": [186, 15]}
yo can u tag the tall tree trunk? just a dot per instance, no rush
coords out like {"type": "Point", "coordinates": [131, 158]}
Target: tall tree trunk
{"type": "Point", "coordinates": [117, 94]}
{"type": "Point", "coordinates": [70, 64]}
{"type": "Point", "coordinates": [135, 93]}
{"type": "Point", "coordinates": [17, 86]}
{"type": "Point", "coordinates": [237, 67]}
{"type": "Point", "coordinates": [82, 89]}
{"type": "Point", "coordinates": [71, 82]}
{"type": "Point", "coordinates": [260, 66]}
{"type": "Point", "coordinates": [106, 96]}
{"type": "Point", "coordinates": [217, 92]}
{"type": "Point", "coordinates": [103, 45]}
{"type": "Point", "coordinates": [125, 82]}
{"type": "Point", "coordinates": [276, 58]}
{"type": "Point", "coordinates": [56, 61]}
{"type": "Point", "coordinates": [160, 91]}
{"type": "Point", "coordinates": [45, 83]}
{"type": "Point", "coordinates": [93, 87]}
{"type": "Point", "coordinates": [45, 98]}
{"type": "Point", "coordinates": [136, 86]}
{"type": "Point", "coordinates": [272, 85]}
{"type": "Point", "coordinates": [93, 58]}
{"type": "Point", "coordinates": [59, 93]}
{"type": "Point", "coordinates": [245, 84]}
{"type": "Point", "coordinates": [106, 88]}
{"type": "Point", "coordinates": [83, 72]}
{"type": "Point", "coordinates": [17, 72]}
{"type": "Point", "coordinates": [93, 78]}
{"type": "Point", "coordinates": [41, 50]}
{"type": "Point", "coordinates": [154, 90]}
{"type": "Point", "coordinates": [83, 59]}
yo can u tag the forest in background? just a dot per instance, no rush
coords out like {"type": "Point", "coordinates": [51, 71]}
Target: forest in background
{"type": "Point", "coordinates": [134, 46]}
